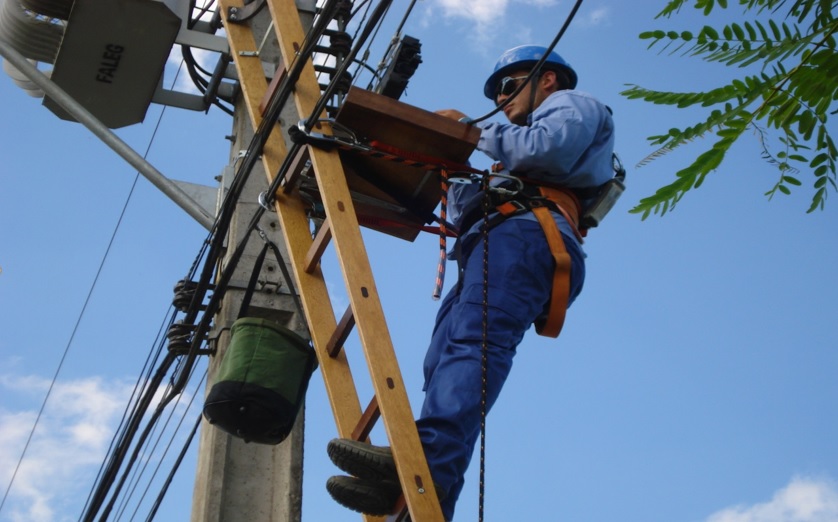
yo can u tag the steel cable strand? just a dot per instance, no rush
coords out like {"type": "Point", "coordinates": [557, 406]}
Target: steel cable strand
{"type": "Point", "coordinates": [393, 41]}
{"type": "Point", "coordinates": [158, 411]}
{"type": "Point", "coordinates": [177, 464]}
{"type": "Point", "coordinates": [212, 253]}
{"type": "Point", "coordinates": [116, 459]}
{"type": "Point", "coordinates": [161, 494]}
{"type": "Point", "coordinates": [213, 305]}
{"type": "Point", "coordinates": [375, 19]}
{"type": "Point", "coordinates": [120, 434]}
{"type": "Point", "coordinates": [144, 375]}
{"type": "Point", "coordinates": [140, 472]}
{"type": "Point", "coordinates": [140, 444]}
{"type": "Point", "coordinates": [293, 74]}
{"type": "Point", "coordinates": [220, 227]}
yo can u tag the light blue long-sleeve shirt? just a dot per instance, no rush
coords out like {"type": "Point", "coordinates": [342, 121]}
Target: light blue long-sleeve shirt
{"type": "Point", "coordinates": [569, 142]}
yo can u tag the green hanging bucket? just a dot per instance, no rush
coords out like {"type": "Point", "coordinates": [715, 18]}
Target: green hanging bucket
{"type": "Point", "coordinates": [261, 383]}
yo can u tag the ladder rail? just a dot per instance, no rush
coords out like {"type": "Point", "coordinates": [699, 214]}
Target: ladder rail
{"type": "Point", "coordinates": [371, 326]}
{"type": "Point", "coordinates": [294, 224]}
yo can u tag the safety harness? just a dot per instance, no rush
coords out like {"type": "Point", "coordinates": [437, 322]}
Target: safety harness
{"type": "Point", "coordinates": [527, 195]}
{"type": "Point", "coordinates": [540, 198]}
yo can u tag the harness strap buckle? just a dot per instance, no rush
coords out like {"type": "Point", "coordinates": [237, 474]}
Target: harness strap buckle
{"type": "Point", "coordinates": [512, 207]}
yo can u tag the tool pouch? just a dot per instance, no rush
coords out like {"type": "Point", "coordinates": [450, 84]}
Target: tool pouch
{"type": "Point", "coordinates": [261, 383]}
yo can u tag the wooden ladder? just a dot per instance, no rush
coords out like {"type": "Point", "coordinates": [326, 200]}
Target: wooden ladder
{"type": "Point", "coordinates": [341, 230]}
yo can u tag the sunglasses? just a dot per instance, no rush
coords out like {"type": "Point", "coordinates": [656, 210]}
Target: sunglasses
{"type": "Point", "coordinates": [508, 85]}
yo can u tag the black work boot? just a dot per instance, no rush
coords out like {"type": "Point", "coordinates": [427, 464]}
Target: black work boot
{"type": "Point", "coordinates": [371, 497]}
{"type": "Point", "coordinates": [363, 460]}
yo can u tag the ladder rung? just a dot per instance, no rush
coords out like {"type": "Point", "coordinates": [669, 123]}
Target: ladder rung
{"type": "Point", "coordinates": [299, 165]}
{"type": "Point", "coordinates": [321, 241]}
{"type": "Point", "coordinates": [401, 515]}
{"type": "Point", "coordinates": [367, 421]}
{"type": "Point", "coordinates": [347, 322]}
{"type": "Point", "coordinates": [279, 74]}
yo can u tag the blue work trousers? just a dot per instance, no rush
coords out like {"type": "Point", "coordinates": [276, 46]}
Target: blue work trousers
{"type": "Point", "coordinates": [520, 281]}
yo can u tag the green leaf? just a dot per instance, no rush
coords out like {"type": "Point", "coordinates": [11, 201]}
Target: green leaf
{"type": "Point", "coordinates": [752, 34]}
{"type": "Point", "coordinates": [710, 32]}
{"type": "Point", "coordinates": [817, 160]}
{"type": "Point", "coordinates": [775, 29]}
{"type": "Point", "coordinates": [656, 35]}
{"type": "Point", "coordinates": [817, 201]}
{"type": "Point", "coordinates": [792, 181]}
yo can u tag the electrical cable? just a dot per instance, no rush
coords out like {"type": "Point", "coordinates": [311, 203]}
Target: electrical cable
{"type": "Point", "coordinates": [167, 483]}
{"type": "Point", "coordinates": [69, 343]}
{"type": "Point", "coordinates": [370, 27]}
{"type": "Point", "coordinates": [485, 309]}
{"type": "Point", "coordinates": [139, 472]}
{"type": "Point", "coordinates": [80, 317]}
{"type": "Point", "coordinates": [145, 373]}
{"type": "Point", "coordinates": [393, 43]}
{"type": "Point", "coordinates": [249, 159]}
{"type": "Point", "coordinates": [210, 253]}
{"type": "Point", "coordinates": [536, 68]}
{"type": "Point", "coordinates": [198, 388]}
{"type": "Point", "coordinates": [107, 471]}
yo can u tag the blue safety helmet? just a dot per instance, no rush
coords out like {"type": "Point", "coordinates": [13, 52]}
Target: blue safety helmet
{"type": "Point", "coordinates": [524, 57]}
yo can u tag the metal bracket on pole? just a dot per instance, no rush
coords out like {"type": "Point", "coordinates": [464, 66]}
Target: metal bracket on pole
{"type": "Point", "coordinates": [83, 116]}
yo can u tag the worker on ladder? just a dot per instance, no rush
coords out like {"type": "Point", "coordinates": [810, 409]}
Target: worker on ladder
{"type": "Point", "coordinates": [559, 143]}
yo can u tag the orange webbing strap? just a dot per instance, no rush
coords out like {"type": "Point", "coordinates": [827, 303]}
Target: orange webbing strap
{"type": "Point", "coordinates": [559, 295]}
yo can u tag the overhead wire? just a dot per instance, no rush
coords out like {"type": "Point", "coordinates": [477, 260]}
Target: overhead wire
{"type": "Point", "coordinates": [80, 317]}
{"type": "Point", "coordinates": [391, 46]}
{"type": "Point", "coordinates": [143, 376]}
{"type": "Point", "coordinates": [209, 254]}
{"type": "Point", "coordinates": [159, 460]}
{"type": "Point", "coordinates": [159, 500]}
{"type": "Point", "coordinates": [536, 68]}
{"type": "Point", "coordinates": [143, 392]}
{"type": "Point", "coordinates": [137, 475]}
{"type": "Point", "coordinates": [485, 309]}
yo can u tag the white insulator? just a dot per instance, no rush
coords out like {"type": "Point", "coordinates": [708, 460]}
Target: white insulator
{"type": "Point", "coordinates": [34, 36]}
{"type": "Point", "coordinates": [22, 81]}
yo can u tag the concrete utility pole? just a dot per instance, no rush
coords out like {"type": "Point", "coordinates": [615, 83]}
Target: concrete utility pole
{"type": "Point", "coordinates": [238, 481]}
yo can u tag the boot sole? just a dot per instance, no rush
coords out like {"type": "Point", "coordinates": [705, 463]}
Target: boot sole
{"type": "Point", "coordinates": [363, 460]}
{"type": "Point", "coordinates": [377, 498]}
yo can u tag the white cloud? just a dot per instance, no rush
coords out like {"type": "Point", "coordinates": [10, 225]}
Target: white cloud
{"type": "Point", "coordinates": [485, 15]}
{"type": "Point", "coordinates": [598, 16]}
{"type": "Point", "coordinates": [802, 500]}
{"type": "Point", "coordinates": [72, 437]}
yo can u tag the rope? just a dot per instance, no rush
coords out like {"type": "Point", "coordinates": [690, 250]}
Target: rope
{"type": "Point", "coordinates": [484, 363]}
{"type": "Point", "coordinates": [443, 235]}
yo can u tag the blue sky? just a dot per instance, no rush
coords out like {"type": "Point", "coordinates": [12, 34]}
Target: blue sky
{"type": "Point", "coordinates": [694, 380]}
